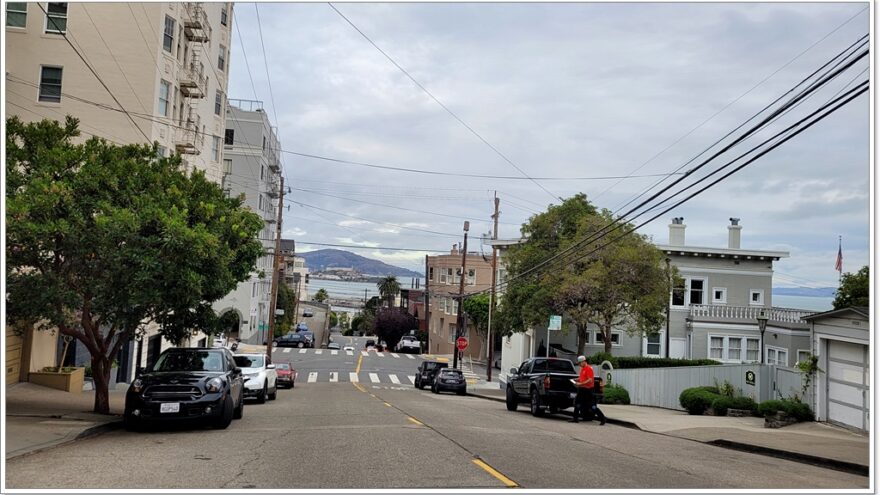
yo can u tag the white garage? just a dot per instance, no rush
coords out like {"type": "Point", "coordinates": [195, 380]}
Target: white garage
{"type": "Point", "coordinates": [840, 339]}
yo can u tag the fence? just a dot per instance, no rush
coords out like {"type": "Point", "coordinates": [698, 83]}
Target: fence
{"type": "Point", "coordinates": [660, 387]}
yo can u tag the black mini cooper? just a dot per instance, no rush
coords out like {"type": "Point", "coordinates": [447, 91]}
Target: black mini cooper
{"type": "Point", "coordinates": [187, 383]}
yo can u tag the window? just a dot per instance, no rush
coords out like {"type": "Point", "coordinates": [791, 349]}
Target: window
{"type": "Point", "coordinates": [451, 333]}
{"type": "Point", "coordinates": [615, 338]}
{"type": "Point", "coordinates": [719, 295]}
{"type": "Point", "coordinates": [431, 274]}
{"type": "Point", "coordinates": [689, 291]}
{"type": "Point", "coordinates": [264, 143]}
{"type": "Point", "coordinates": [734, 349]}
{"type": "Point", "coordinates": [756, 297]}
{"type": "Point", "coordinates": [164, 90]}
{"type": "Point", "coordinates": [262, 172]}
{"type": "Point", "coordinates": [56, 18]}
{"type": "Point", "coordinates": [260, 202]}
{"type": "Point", "coordinates": [168, 37]}
{"type": "Point", "coordinates": [472, 277]}
{"type": "Point", "coordinates": [753, 354]}
{"type": "Point", "coordinates": [218, 103]}
{"type": "Point", "coordinates": [776, 355]}
{"type": "Point", "coordinates": [716, 347]}
{"type": "Point", "coordinates": [221, 58]}
{"type": "Point", "coordinates": [696, 287]}
{"type": "Point", "coordinates": [653, 345]}
{"type": "Point", "coordinates": [730, 348]}
{"type": "Point", "coordinates": [16, 14]}
{"type": "Point", "coordinates": [223, 16]}
{"type": "Point", "coordinates": [215, 148]}
{"type": "Point", "coordinates": [443, 278]}
{"type": "Point", "coordinates": [161, 151]}
{"type": "Point", "coordinates": [454, 306]}
{"type": "Point", "coordinates": [457, 276]}
{"type": "Point", "coordinates": [442, 305]}
{"type": "Point", "coordinates": [803, 355]}
{"type": "Point", "coordinates": [50, 84]}
{"type": "Point", "coordinates": [227, 165]}
{"type": "Point", "coordinates": [229, 138]}
{"type": "Point", "coordinates": [678, 292]}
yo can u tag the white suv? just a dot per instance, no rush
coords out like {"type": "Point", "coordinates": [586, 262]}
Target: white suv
{"type": "Point", "coordinates": [260, 377]}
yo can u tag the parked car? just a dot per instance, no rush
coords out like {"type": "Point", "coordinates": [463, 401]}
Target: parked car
{"type": "Point", "coordinates": [370, 343]}
{"type": "Point", "coordinates": [302, 327]}
{"type": "Point", "coordinates": [408, 343]}
{"type": "Point", "coordinates": [260, 377]}
{"type": "Point", "coordinates": [348, 348]}
{"type": "Point", "coordinates": [187, 383]}
{"type": "Point", "coordinates": [426, 372]}
{"type": "Point", "coordinates": [307, 313]}
{"type": "Point", "coordinates": [449, 379]}
{"type": "Point", "coordinates": [333, 345]}
{"type": "Point", "coordinates": [286, 375]}
{"type": "Point", "coordinates": [545, 383]}
{"type": "Point", "coordinates": [290, 340]}
{"type": "Point", "coordinates": [308, 338]}
{"type": "Point", "coordinates": [219, 342]}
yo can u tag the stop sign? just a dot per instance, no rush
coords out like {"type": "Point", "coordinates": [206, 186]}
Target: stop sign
{"type": "Point", "coordinates": [461, 343]}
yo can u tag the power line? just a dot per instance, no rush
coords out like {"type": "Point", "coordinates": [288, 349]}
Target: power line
{"type": "Point", "coordinates": [450, 112]}
{"type": "Point", "coordinates": [355, 246]}
{"type": "Point", "coordinates": [244, 55]}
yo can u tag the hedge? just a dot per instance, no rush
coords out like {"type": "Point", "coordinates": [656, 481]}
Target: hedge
{"type": "Point", "coordinates": [798, 410]}
{"type": "Point", "coordinates": [629, 362]}
{"type": "Point", "coordinates": [697, 399]}
{"type": "Point", "coordinates": [615, 394]}
{"type": "Point", "coordinates": [723, 403]}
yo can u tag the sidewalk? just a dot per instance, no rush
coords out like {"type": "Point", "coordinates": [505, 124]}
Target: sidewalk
{"type": "Point", "coordinates": [38, 417]}
{"type": "Point", "coordinates": [813, 443]}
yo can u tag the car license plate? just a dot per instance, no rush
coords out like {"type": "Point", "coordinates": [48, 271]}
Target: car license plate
{"type": "Point", "coordinates": [572, 396]}
{"type": "Point", "coordinates": [169, 407]}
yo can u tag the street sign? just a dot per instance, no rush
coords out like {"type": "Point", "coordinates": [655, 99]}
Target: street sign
{"type": "Point", "coordinates": [555, 322]}
{"type": "Point", "coordinates": [279, 312]}
{"type": "Point", "coordinates": [461, 343]}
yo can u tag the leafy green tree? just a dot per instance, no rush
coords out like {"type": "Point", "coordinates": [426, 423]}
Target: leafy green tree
{"type": "Point", "coordinates": [321, 296]}
{"type": "Point", "coordinates": [104, 240]}
{"type": "Point", "coordinates": [477, 310]}
{"type": "Point", "coordinates": [854, 289]}
{"type": "Point", "coordinates": [621, 285]}
{"type": "Point", "coordinates": [388, 288]}
{"type": "Point", "coordinates": [286, 301]}
{"type": "Point", "coordinates": [343, 320]}
{"type": "Point", "coordinates": [334, 319]}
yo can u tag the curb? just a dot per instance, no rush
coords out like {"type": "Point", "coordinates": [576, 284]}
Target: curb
{"type": "Point", "coordinates": [618, 422]}
{"type": "Point", "coordinates": [837, 465]}
{"type": "Point", "coordinates": [88, 432]}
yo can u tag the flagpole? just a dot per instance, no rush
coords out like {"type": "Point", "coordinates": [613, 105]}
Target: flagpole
{"type": "Point", "coordinates": [839, 259]}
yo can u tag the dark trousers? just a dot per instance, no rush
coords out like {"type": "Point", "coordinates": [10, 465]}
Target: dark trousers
{"type": "Point", "coordinates": [585, 406]}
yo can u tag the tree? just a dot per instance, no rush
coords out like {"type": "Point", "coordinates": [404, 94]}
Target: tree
{"type": "Point", "coordinates": [388, 288]}
{"type": "Point", "coordinates": [391, 324]}
{"type": "Point", "coordinates": [334, 319]}
{"type": "Point", "coordinates": [286, 301]}
{"type": "Point", "coordinates": [104, 241]}
{"type": "Point", "coordinates": [623, 284]}
{"type": "Point", "coordinates": [343, 320]}
{"type": "Point", "coordinates": [477, 310]}
{"type": "Point", "coordinates": [321, 295]}
{"type": "Point", "coordinates": [854, 289]}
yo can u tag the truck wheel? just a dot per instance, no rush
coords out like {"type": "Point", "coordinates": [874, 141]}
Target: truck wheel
{"type": "Point", "coordinates": [511, 400]}
{"type": "Point", "coordinates": [536, 408]}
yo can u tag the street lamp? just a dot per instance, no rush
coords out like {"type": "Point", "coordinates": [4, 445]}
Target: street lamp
{"type": "Point", "coordinates": [762, 325]}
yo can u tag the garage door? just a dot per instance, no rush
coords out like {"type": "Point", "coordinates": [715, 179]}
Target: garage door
{"type": "Point", "coordinates": [848, 384]}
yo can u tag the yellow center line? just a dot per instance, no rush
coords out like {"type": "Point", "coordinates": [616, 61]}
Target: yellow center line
{"type": "Point", "coordinates": [358, 369]}
{"type": "Point", "coordinates": [414, 420]}
{"type": "Point", "coordinates": [357, 386]}
{"type": "Point", "coordinates": [489, 469]}
{"type": "Point", "coordinates": [387, 404]}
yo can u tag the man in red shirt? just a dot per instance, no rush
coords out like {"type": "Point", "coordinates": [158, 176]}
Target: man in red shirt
{"type": "Point", "coordinates": [585, 398]}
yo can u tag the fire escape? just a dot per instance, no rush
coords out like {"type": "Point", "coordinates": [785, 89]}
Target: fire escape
{"type": "Point", "coordinates": [189, 136]}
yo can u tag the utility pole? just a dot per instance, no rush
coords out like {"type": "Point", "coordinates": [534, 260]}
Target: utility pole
{"type": "Point", "coordinates": [668, 302]}
{"type": "Point", "coordinates": [427, 307]}
{"type": "Point", "coordinates": [459, 322]}
{"type": "Point", "coordinates": [491, 341]}
{"type": "Point", "coordinates": [273, 298]}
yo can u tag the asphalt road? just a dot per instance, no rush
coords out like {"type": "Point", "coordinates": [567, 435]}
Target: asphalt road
{"type": "Point", "coordinates": [386, 435]}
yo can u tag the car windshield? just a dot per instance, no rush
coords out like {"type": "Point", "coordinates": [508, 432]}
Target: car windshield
{"type": "Point", "coordinates": [450, 373]}
{"type": "Point", "coordinates": [553, 366]}
{"type": "Point", "coordinates": [189, 360]}
{"type": "Point", "coordinates": [249, 361]}
{"type": "Point", "coordinates": [282, 366]}
{"type": "Point", "coordinates": [432, 366]}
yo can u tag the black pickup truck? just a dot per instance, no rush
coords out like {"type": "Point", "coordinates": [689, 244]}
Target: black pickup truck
{"type": "Point", "coordinates": [545, 383]}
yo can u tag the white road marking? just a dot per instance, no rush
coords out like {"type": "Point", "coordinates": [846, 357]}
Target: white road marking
{"type": "Point", "coordinates": [286, 350]}
{"type": "Point", "coordinates": [319, 351]}
{"type": "Point", "coordinates": [313, 377]}
{"type": "Point", "coordinates": [350, 353]}
{"type": "Point", "coordinates": [410, 356]}
{"type": "Point", "coordinates": [394, 379]}
{"type": "Point", "coordinates": [374, 378]}
{"type": "Point", "coordinates": [365, 353]}
{"type": "Point", "coordinates": [333, 353]}
{"type": "Point", "coordinates": [302, 351]}
{"type": "Point", "coordinates": [379, 354]}
{"type": "Point", "coordinates": [334, 377]}
{"type": "Point", "coordinates": [395, 355]}
{"type": "Point", "coordinates": [412, 379]}
{"type": "Point", "coordinates": [353, 377]}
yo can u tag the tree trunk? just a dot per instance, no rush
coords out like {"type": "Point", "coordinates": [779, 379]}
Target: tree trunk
{"type": "Point", "coordinates": [582, 339]}
{"type": "Point", "coordinates": [606, 332]}
{"type": "Point", "coordinates": [101, 377]}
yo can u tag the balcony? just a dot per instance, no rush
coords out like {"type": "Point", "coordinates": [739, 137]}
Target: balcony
{"type": "Point", "coordinates": [273, 190]}
{"type": "Point", "coordinates": [195, 25]}
{"type": "Point", "coordinates": [188, 140]}
{"type": "Point", "coordinates": [784, 317]}
{"type": "Point", "coordinates": [193, 82]}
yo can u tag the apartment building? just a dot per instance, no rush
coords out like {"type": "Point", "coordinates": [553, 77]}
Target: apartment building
{"type": "Point", "coordinates": [167, 65]}
{"type": "Point", "coordinates": [444, 275]}
{"type": "Point", "coordinates": [252, 170]}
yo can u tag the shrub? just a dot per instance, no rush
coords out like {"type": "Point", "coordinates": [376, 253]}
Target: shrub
{"type": "Point", "coordinates": [649, 362]}
{"type": "Point", "coordinates": [723, 403]}
{"type": "Point", "coordinates": [615, 394]}
{"type": "Point", "coordinates": [697, 399]}
{"type": "Point", "coordinates": [603, 356]}
{"type": "Point", "coordinates": [797, 410]}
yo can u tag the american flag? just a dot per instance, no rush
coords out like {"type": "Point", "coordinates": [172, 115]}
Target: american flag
{"type": "Point", "coordinates": [839, 264]}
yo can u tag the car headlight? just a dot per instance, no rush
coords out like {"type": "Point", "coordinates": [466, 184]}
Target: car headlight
{"type": "Point", "coordinates": [214, 385]}
{"type": "Point", "coordinates": [137, 385]}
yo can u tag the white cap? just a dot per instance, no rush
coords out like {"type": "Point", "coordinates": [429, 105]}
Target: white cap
{"type": "Point", "coordinates": [581, 359]}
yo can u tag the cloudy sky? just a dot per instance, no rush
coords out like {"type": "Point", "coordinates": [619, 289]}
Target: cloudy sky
{"type": "Point", "coordinates": [575, 91]}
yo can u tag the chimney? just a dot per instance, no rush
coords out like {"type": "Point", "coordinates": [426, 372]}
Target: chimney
{"type": "Point", "coordinates": [454, 249]}
{"type": "Point", "coordinates": [733, 233]}
{"type": "Point", "coordinates": [676, 232]}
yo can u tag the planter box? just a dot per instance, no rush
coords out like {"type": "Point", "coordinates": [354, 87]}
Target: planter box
{"type": "Point", "coordinates": [69, 382]}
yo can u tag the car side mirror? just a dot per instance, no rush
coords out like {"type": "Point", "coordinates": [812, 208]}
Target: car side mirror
{"type": "Point", "coordinates": [513, 371]}
{"type": "Point", "coordinates": [270, 367]}
{"type": "Point", "coordinates": [236, 371]}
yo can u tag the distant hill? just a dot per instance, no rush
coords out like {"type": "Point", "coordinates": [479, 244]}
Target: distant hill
{"type": "Point", "coordinates": [323, 259]}
{"type": "Point", "coordinates": [805, 291]}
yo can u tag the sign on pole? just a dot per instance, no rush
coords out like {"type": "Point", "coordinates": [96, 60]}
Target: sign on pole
{"type": "Point", "coordinates": [461, 343]}
{"type": "Point", "coordinates": [279, 312]}
{"type": "Point", "coordinates": [555, 324]}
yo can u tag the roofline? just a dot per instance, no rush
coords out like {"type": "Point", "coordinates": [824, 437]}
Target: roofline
{"type": "Point", "coordinates": [723, 251]}
{"type": "Point", "coordinates": [861, 310]}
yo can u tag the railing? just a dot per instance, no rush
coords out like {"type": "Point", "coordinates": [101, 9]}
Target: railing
{"type": "Point", "coordinates": [193, 80]}
{"type": "Point", "coordinates": [196, 26]}
{"type": "Point", "coordinates": [785, 315]}
{"type": "Point", "coordinates": [187, 138]}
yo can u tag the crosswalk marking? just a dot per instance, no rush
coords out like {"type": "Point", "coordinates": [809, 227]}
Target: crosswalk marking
{"type": "Point", "coordinates": [412, 379]}
{"type": "Point", "coordinates": [350, 353]}
{"type": "Point", "coordinates": [334, 377]}
{"type": "Point", "coordinates": [410, 356]}
{"type": "Point", "coordinates": [394, 379]}
{"type": "Point", "coordinates": [395, 355]}
{"type": "Point", "coordinates": [286, 350]}
{"type": "Point", "coordinates": [353, 377]}
{"type": "Point", "coordinates": [374, 378]}
{"type": "Point", "coordinates": [302, 351]}
{"type": "Point", "coordinates": [333, 353]}
{"type": "Point", "coordinates": [380, 354]}
{"type": "Point", "coordinates": [319, 351]}
{"type": "Point", "coordinates": [313, 377]}
{"type": "Point", "coordinates": [365, 353]}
